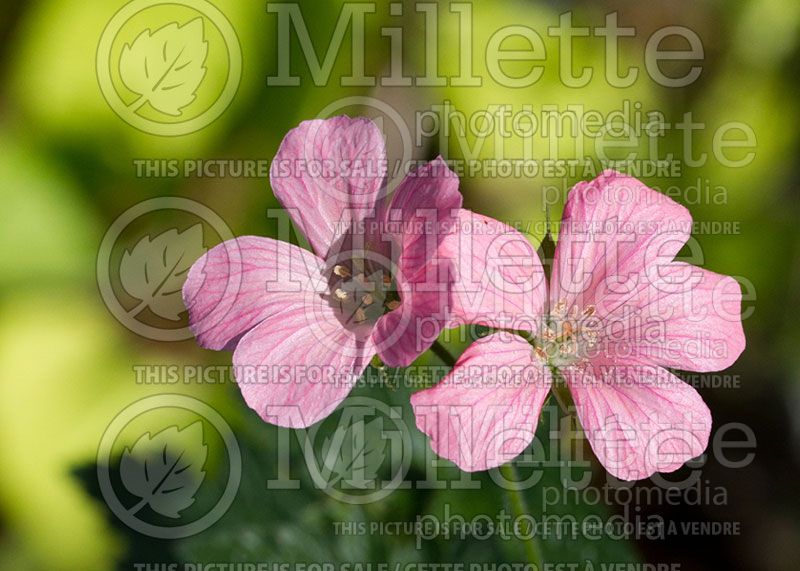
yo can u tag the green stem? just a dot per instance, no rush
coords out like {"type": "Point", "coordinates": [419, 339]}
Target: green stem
{"type": "Point", "coordinates": [520, 509]}
{"type": "Point", "coordinates": [561, 392]}
{"type": "Point", "coordinates": [444, 355]}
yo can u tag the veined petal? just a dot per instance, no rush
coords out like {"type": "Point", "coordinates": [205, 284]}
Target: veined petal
{"type": "Point", "coordinates": [327, 175]}
{"type": "Point", "coordinates": [295, 367]}
{"type": "Point", "coordinates": [613, 228]}
{"type": "Point", "coordinates": [682, 316]}
{"type": "Point", "coordinates": [499, 279]}
{"type": "Point", "coordinates": [403, 334]}
{"type": "Point", "coordinates": [639, 418]}
{"type": "Point", "coordinates": [239, 283]}
{"type": "Point", "coordinates": [423, 211]}
{"type": "Point", "coordinates": [485, 412]}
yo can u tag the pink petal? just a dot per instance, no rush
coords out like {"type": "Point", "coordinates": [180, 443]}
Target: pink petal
{"type": "Point", "coordinates": [682, 316]}
{"type": "Point", "coordinates": [485, 412]}
{"type": "Point", "coordinates": [423, 211]}
{"type": "Point", "coordinates": [613, 228]}
{"type": "Point", "coordinates": [404, 334]}
{"type": "Point", "coordinates": [295, 367]}
{"type": "Point", "coordinates": [239, 283]}
{"type": "Point", "coordinates": [639, 418]}
{"type": "Point", "coordinates": [499, 280]}
{"type": "Point", "coordinates": [327, 175]}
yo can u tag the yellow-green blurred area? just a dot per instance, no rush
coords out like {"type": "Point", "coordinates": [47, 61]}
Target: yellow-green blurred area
{"type": "Point", "coordinates": [68, 170]}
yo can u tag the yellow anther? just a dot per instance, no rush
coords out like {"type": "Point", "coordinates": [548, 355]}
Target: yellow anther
{"type": "Point", "coordinates": [341, 271]}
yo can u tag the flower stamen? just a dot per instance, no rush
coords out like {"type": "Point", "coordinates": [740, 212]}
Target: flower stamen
{"type": "Point", "coordinates": [569, 335]}
{"type": "Point", "coordinates": [361, 297]}
{"type": "Point", "coordinates": [341, 271]}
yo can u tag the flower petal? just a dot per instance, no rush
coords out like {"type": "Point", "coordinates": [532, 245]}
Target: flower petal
{"type": "Point", "coordinates": [239, 283]}
{"type": "Point", "coordinates": [682, 316]}
{"type": "Point", "coordinates": [485, 412]}
{"type": "Point", "coordinates": [328, 174]}
{"type": "Point", "coordinates": [423, 211]}
{"type": "Point", "coordinates": [639, 418]}
{"type": "Point", "coordinates": [404, 334]}
{"type": "Point", "coordinates": [295, 367]}
{"type": "Point", "coordinates": [613, 228]}
{"type": "Point", "coordinates": [499, 279]}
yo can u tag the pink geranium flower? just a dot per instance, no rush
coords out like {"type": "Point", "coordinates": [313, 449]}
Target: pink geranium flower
{"type": "Point", "coordinates": [620, 311]}
{"type": "Point", "coordinates": [303, 326]}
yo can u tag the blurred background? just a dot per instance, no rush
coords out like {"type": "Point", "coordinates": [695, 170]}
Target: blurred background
{"type": "Point", "coordinates": [68, 168]}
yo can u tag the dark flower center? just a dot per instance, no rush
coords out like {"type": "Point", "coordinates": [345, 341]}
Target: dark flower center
{"type": "Point", "coordinates": [362, 291]}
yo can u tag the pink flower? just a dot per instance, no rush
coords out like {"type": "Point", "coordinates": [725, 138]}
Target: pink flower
{"type": "Point", "coordinates": [303, 326]}
{"type": "Point", "coordinates": [621, 310]}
